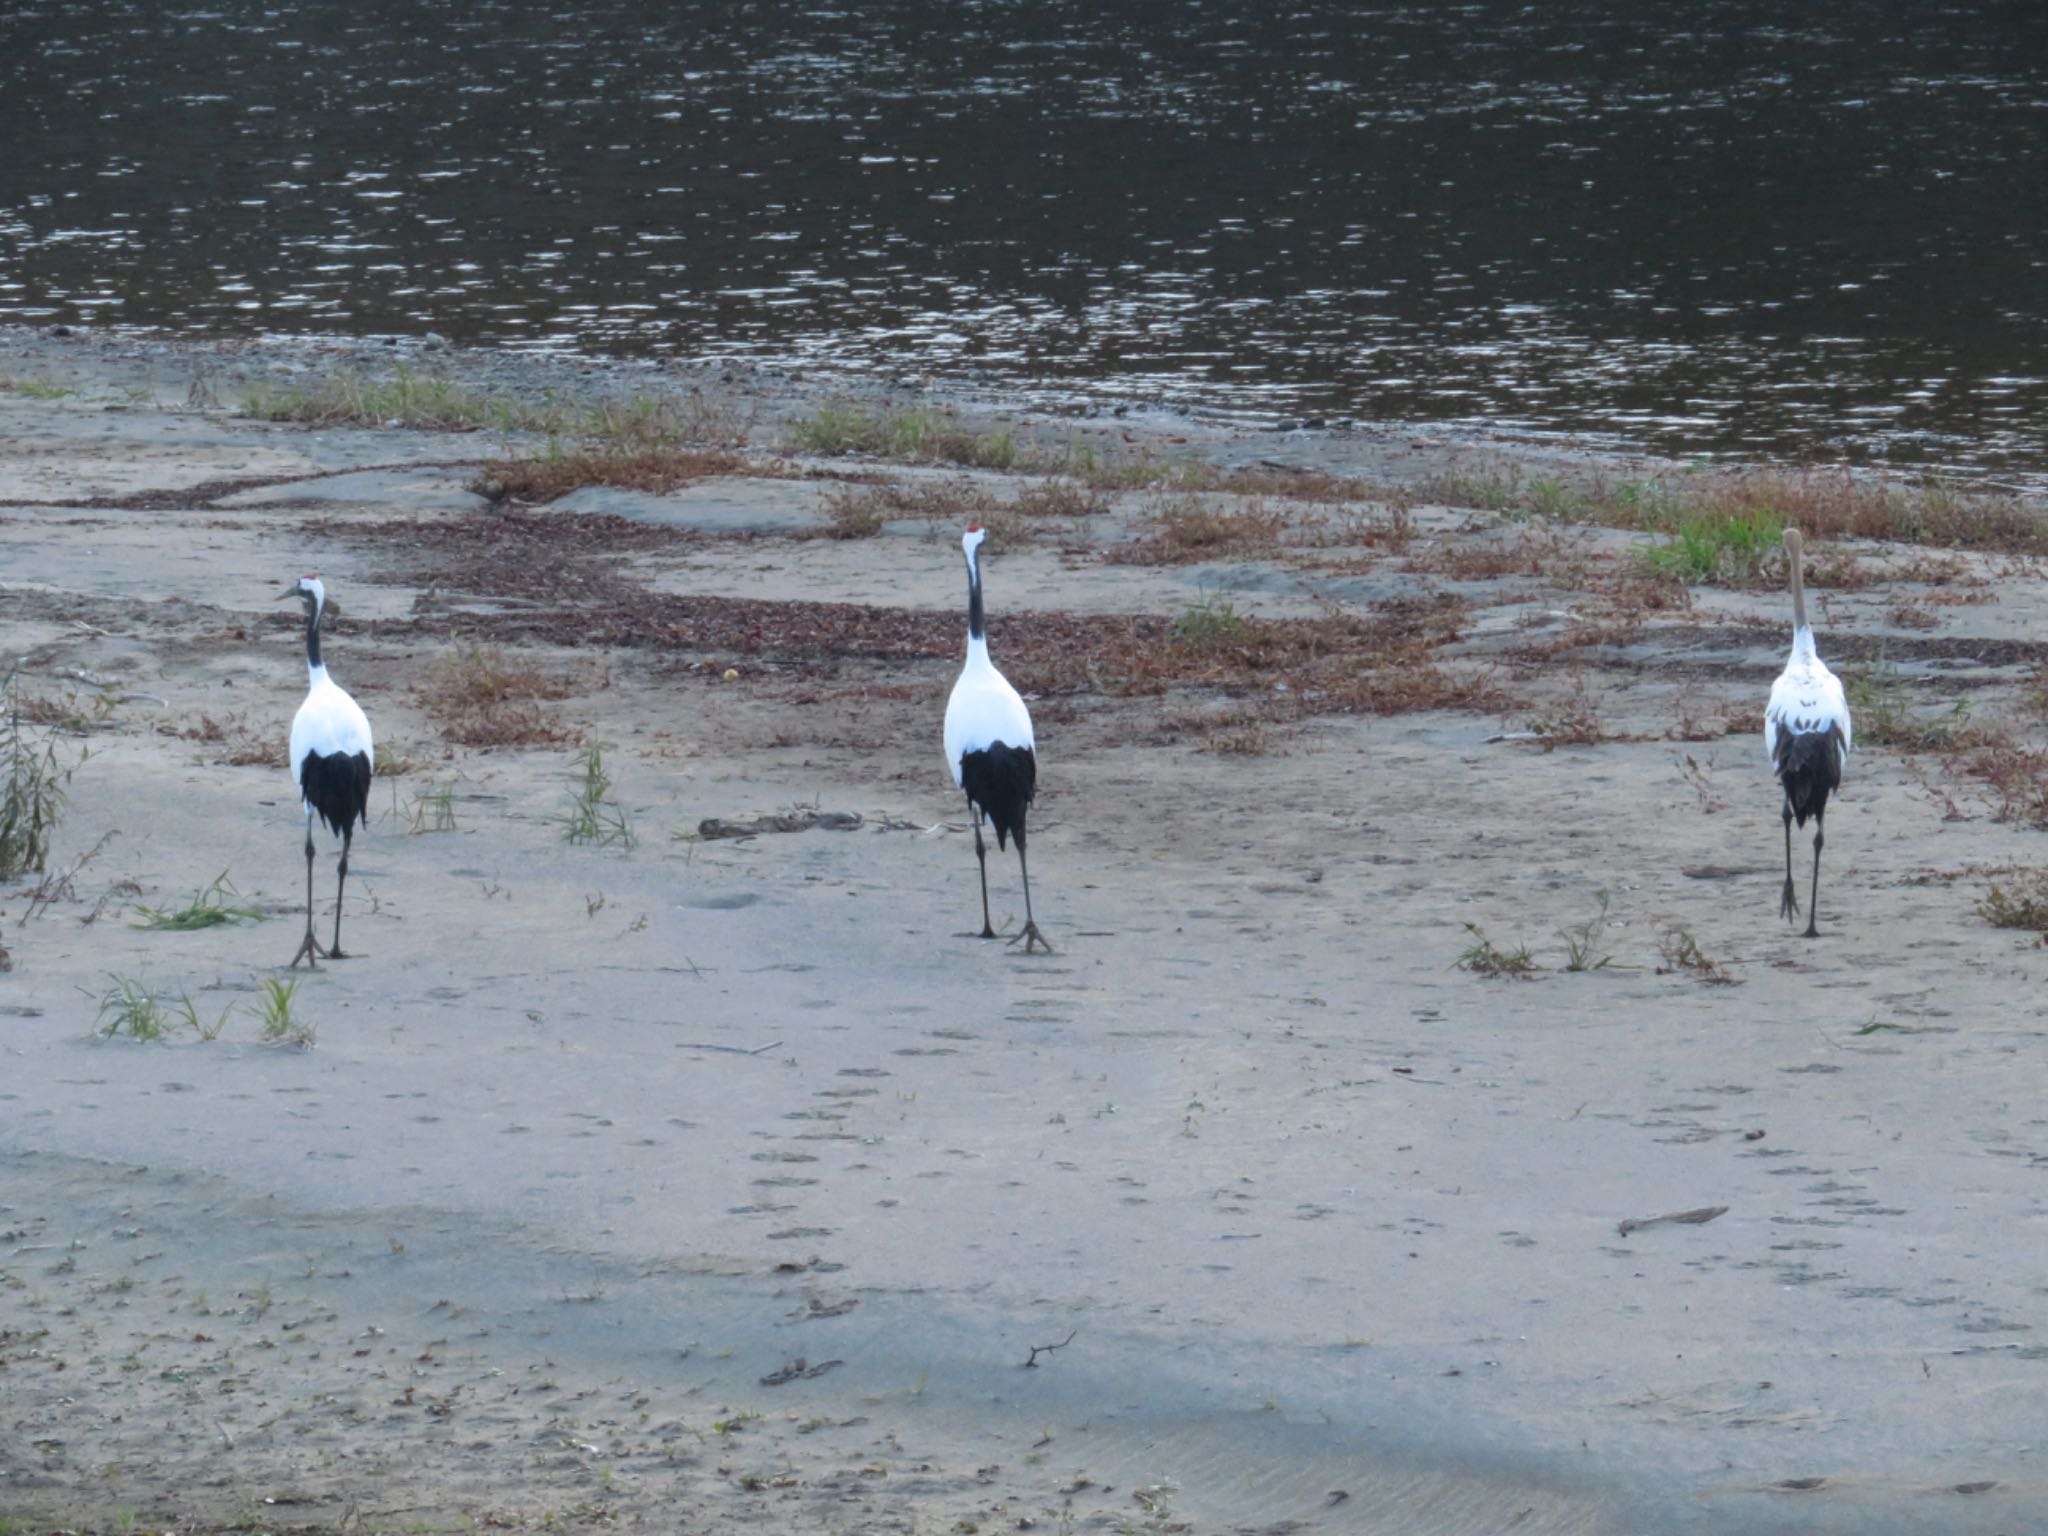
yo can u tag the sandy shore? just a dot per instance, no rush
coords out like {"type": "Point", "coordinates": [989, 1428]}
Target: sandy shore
{"type": "Point", "coordinates": [725, 1184]}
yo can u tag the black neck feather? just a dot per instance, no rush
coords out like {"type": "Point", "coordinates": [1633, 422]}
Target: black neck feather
{"type": "Point", "coordinates": [312, 634]}
{"type": "Point", "coordinates": [974, 622]}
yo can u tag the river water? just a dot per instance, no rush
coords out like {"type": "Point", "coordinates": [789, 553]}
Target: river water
{"type": "Point", "coordinates": [1816, 231]}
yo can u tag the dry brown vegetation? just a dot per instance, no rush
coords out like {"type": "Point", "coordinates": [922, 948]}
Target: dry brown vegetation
{"type": "Point", "coordinates": [483, 696]}
{"type": "Point", "coordinates": [1187, 528]}
{"type": "Point", "coordinates": [236, 742]}
{"type": "Point", "coordinates": [656, 470]}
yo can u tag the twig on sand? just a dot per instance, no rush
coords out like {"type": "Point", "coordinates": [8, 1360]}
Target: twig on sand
{"type": "Point", "coordinates": [1692, 1218]}
{"type": "Point", "coordinates": [714, 828]}
{"type": "Point", "coordinates": [730, 1050]}
{"type": "Point", "coordinates": [58, 887]}
{"type": "Point", "coordinates": [1046, 1349]}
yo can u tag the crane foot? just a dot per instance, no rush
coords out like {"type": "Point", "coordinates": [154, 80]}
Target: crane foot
{"type": "Point", "coordinates": [1032, 939]}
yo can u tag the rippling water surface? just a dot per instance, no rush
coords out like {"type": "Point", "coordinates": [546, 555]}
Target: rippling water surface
{"type": "Point", "coordinates": [1726, 225]}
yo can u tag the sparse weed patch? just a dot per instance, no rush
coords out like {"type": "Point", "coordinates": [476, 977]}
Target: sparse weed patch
{"type": "Point", "coordinates": [2014, 775]}
{"type": "Point", "coordinates": [1582, 941]}
{"type": "Point", "coordinates": [914, 436]}
{"type": "Point", "coordinates": [210, 907]}
{"type": "Point", "coordinates": [853, 512]}
{"type": "Point", "coordinates": [35, 389]}
{"type": "Point", "coordinates": [240, 746]}
{"type": "Point", "coordinates": [34, 789]}
{"type": "Point", "coordinates": [1483, 958]}
{"type": "Point", "coordinates": [130, 1008]}
{"type": "Point", "coordinates": [1880, 703]}
{"type": "Point", "coordinates": [409, 397]}
{"type": "Point", "coordinates": [1575, 722]}
{"type": "Point", "coordinates": [1208, 627]}
{"type": "Point", "coordinates": [2021, 904]}
{"type": "Point", "coordinates": [1188, 527]}
{"type": "Point", "coordinates": [562, 468]}
{"type": "Point", "coordinates": [1680, 951]}
{"type": "Point", "coordinates": [485, 697]}
{"type": "Point", "coordinates": [432, 811]}
{"type": "Point", "coordinates": [593, 816]}
{"type": "Point", "coordinates": [1060, 496]}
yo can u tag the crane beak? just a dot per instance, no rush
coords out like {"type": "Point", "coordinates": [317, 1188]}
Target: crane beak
{"type": "Point", "coordinates": [289, 592]}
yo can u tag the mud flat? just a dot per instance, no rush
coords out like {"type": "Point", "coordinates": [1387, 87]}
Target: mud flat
{"type": "Point", "coordinates": [722, 1183]}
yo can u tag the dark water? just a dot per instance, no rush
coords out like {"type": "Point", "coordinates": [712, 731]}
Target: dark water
{"type": "Point", "coordinates": [1815, 229]}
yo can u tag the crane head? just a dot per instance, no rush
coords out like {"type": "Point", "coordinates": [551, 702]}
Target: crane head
{"type": "Point", "coordinates": [308, 589]}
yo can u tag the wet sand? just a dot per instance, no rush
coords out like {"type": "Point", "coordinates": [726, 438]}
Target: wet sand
{"type": "Point", "coordinates": [719, 1183]}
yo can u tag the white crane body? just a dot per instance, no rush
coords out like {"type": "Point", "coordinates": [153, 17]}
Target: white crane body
{"type": "Point", "coordinates": [332, 760]}
{"type": "Point", "coordinates": [990, 749]}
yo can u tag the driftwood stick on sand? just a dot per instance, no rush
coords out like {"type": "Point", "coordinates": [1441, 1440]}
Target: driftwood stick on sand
{"type": "Point", "coordinates": [713, 828]}
{"type": "Point", "coordinates": [1693, 1218]}
{"type": "Point", "coordinates": [1045, 1349]}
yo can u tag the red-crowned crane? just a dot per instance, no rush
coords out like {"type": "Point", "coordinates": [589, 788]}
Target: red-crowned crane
{"type": "Point", "coordinates": [331, 764]}
{"type": "Point", "coordinates": [989, 749]}
{"type": "Point", "coordinates": [1807, 733]}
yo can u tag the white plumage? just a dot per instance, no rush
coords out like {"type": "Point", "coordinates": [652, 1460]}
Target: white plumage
{"type": "Point", "coordinates": [983, 710]}
{"type": "Point", "coordinates": [329, 721]}
{"type": "Point", "coordinates": [1807, 697]}
{"type": "Point", "coordinates": [332, 761]}
{"type": "Point", "coordinates": [990, 750]}
{"type": "Point", "coordinates": [1807, 734]}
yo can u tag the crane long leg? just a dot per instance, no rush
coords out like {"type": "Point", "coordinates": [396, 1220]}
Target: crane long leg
{"type": "Point", "coordinates": [981, 853]}
{"type": "Point", "coordinates": [1813, 901]}
{"type": "Point", "coordinates": [1788, 907]}
{"type": "Point", "coordinates": [1031, 936]}
{"type": "Point", "coordinates": [309, 947]}
{"type": "Point", "coordinates": [347, 836]}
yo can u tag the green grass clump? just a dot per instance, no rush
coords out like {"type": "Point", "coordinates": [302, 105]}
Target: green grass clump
{"type": "Point", "coordinates": [1729, 549]}
{"type": "Point", "coordinates": [594, 817]}
{"type": "Point", "coordinates": [915, 436]}
{"type": "Point", "coordinates": [36, 389]}
{"type": "Point", "coordinates": [209, 908]}
{"type": "Point", "coordinates": [435, 402]}
{"type": "Point", "coordinates": [1208, 627]}
{"type": "Point", "coordinates": [1483, 958]}
{"type": "Point", "coordinates": [34, 780]}
{"type": "Point", "coordinates": [130, 1008]}
{"type": "Point", "coordinates": [278, 1024]}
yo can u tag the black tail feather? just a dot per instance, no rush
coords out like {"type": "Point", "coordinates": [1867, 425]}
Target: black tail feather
{"type": "Point", "coordinates": [1001, 780]}
{"type": "Point", "coordinates": [1810, 768]}
{"type": "Point", "coordinates": [337, 786]}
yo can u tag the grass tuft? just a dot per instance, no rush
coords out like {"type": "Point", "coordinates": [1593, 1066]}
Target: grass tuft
{"type": "Point", "coordinates": [1582, 940]}
{"type": "Point", "coordinates": [594, 817]}
{"type": "Point", "coordinates": [208, 908]}
{"type": "Point", "coordinates": [34, 780]}
{"type": "Point", "coordinates": [279, 1025]}
{"type": "Point", "coordinates": [1680, 951]}
{"type": "Point", "coordinates": [913, 436]}
{"type": "Point", "coordinates": [1720, 549]}
{"type": "Point", "coordinates": [1483, 958]}
{"type": "Point", "coordinates": [130, 1008]}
